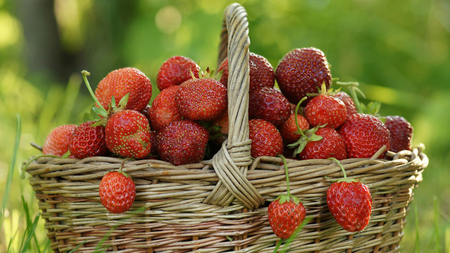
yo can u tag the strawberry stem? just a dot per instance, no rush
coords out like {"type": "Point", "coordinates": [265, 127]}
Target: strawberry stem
{"type": "Point", "coordinates": [355, 99]}
{"type": "Point", "coordinates": [287, 175]}
{"type": "Point", "coordinates": [85, 73]}
{"type": "Point", "coordinates": [340, 165]}
{"type": "Point", "coordinates": [296, 113]}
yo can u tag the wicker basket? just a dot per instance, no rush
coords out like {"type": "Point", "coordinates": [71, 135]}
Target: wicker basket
{"type": "Point", "coordinates": [220, 205]}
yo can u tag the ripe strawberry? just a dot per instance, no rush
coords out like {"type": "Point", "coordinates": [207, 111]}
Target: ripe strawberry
{"type": "Point", "coordinates": [128, 134]}
{"type": "Point", "coordinates": [201, 99]}
{"type": "Point", "coordinates": [325, 110]}
{"type": "Point", "coordinates": [175, 71]}
{"type": "Point", "coordinates": [261, 72]}
{"type": "Point", "coordinates": [164, 109]}
{"type": "Point", "coordinates": [268, 104]}
{"type": "Point", "coordinates": [348, 101]}
{"type": "Point", "coordinates": [117, 192]}
{"type": "Point", "coordinates": [364, 135]}
{"type": "Point", "coordinates": [182, 142]}
{"type": "Point", "coordinates": [286, 212]}
{"type": "Point", "coordinates": [266, 139]}
{"type": "Point", "coordinates": [302, 71]}
{"type": "Point", "coordinates": [88, 140]}
{"type": "Point", "coordinates": [222, 122]}
{"type": "Point", "coordinates": [350, 203]}
{"type": "Point", "coordinates": [57, 141]}
{"type": "Point", "coordinates": [331, 145]}
{"type": "Point", "coordinates": [401, 133]}
{"type": "Point", "coordinates": [288, 129]}
{"type": "Point", "coordinates": [146, 112]}
{"type": "Point", "coordinates": [154, 149]}
{"type": "Point", "coordinates": [122, 81]}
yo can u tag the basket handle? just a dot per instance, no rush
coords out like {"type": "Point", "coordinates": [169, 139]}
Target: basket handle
{"type": "Point", "coordinates": [232, 160]}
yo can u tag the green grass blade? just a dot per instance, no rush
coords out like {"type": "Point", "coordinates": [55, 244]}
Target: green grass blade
{"type": "Point", "coordinates": [11, 168]}
{"type": "Point", "coordinates": [29, 226]}
{"type": "Point", "coordinates": [417, 242]}
{"type": "Point", "coordinates": [30, 234]}
{"type": "Point", "coordinates": [295, 234]}
{"type": "Point", "coordinates": [74, 249]}
{"type": "Point", "coordinates": [436, 225]}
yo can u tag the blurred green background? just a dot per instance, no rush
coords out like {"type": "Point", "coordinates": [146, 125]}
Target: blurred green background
{"type": "Point", "coordinates": [397, 50]}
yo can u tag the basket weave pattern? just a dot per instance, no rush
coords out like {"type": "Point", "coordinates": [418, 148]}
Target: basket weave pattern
{"type": "Point", "coordinates": [220, 205]}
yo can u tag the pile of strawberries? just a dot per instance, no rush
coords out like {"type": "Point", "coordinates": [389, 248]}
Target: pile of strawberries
{"type": "Point", "coordinates": [304, 116]}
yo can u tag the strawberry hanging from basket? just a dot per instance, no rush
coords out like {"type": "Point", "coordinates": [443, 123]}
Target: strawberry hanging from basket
{"type": "Point", "coordinates": [350, 202]}
{"type": "Point", "coordinates": [286, 212]}
{"type": "Point", "coordinates": [117, 191]}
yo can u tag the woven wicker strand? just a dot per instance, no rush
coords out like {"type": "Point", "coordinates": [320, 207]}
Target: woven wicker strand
{"type": "Point", "coordinates": [218, 205]}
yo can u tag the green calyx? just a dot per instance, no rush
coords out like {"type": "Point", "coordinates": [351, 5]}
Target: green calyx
{"type": "Point", "coordinates": [372, 108]}
{"type": "Point", "coordinates": [287, 197]}
{"type": "Point", "coordinates": [101, 111]}
{"type": "Point", "coordinates": [308, 135]}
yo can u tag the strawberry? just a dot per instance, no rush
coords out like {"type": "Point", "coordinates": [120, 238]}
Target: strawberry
{"type": "Point", "coordinates": [128, 134]}
{"type": "Point", "coordinates": [268, 104]}
{"type": "Point", "coordinates": [331, 145]}
{"type": "Point", "coordinates": [286, 212]}
{"type": "Point", "coordinates": [364, 135]}
{"type": "Point", "coordinates": [266, 139]}
{"type": "Point", "coordinates": [57, 141]}
{"type": "Point", "coordinates": [261, 72]}
{"type": "Point", "coordinates": [154, 149]}
{"type": "Point", "coordinates": [222, 123]}
{"type": "Point", "coordinates": [201, 99]}
{"type": "Point", "coordinates": [122, 81]}
{"type": "Point", "coordinates": [325, 110]}
{"type": "Point", "coordinates": [302, 71]}
{"type": "Point", "coordinates": [401, 133]}
{"type": "Point", "coordinates": [164, 109]}
{"type": "Point", "coordinates": [117, 192]}
{"type": "Point", "coordinates": [348, 101]}
{"type": "Point", "coordinates": [88, 140]}
{"type": "Point", "coordinates": [182, 142]}
{"type": "Point", "coordinates": [350, 202]}
{"type": "Point", "coordinates": [175, 71]}
{"type": "Point", "coordinates": [288, 129]}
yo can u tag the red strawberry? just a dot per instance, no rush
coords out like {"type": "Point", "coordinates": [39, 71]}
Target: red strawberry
{"type": "Point", "coordinates": [302, 71]}
{"type": "Point", "coordinates": [261, 72]}
{"type": "Point", "coordinates": [325, 110]}
{"type": "Point", "coordinates": [182, 142]}
{"type": "Point", "coordinates": [348, 101]}
{"type": "Point", "coordinates": [364, 135]}
{"type": "Point", "coordinates": [266, 139]}
{"type": "Point", "coordinates": [88, 140]}
{"type": "Point", "coordinates": [268, 104]}
{"type": "Point", "coordinates": [201, 99]}
{"type": "Point", "coordinates": [57, 141]}
{"type": "Point", "coordinates": [117, 192]}
{"type": "Point", "coordinates": [331, 145]}
{"type": "Point", "coordinates": [128, 134]}
{"type": "Point", "coordinates": [154, 149]}
{"type": "Point", "coordinates": [288, 129]}
{"type": "Point", "coordinates": [120, 82]}
{"type": "Point", "coordinates": [401, 133]}
{"type": "Point", "coordinates": [350, 203]}
{"type": "Point", "coordinates": [146, 112]}
{"type": "Point", "coordinates": [175, 71]}
{"type": "Point", "coordinates": [222, 122]}
{"type": "Point", "coordinates": [286, 212]}
{"type": "Point", "coordinates": [164, 109]}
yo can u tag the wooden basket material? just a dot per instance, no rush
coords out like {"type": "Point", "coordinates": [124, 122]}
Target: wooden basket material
{"type": "Point", "coordinates": [220, 205]}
